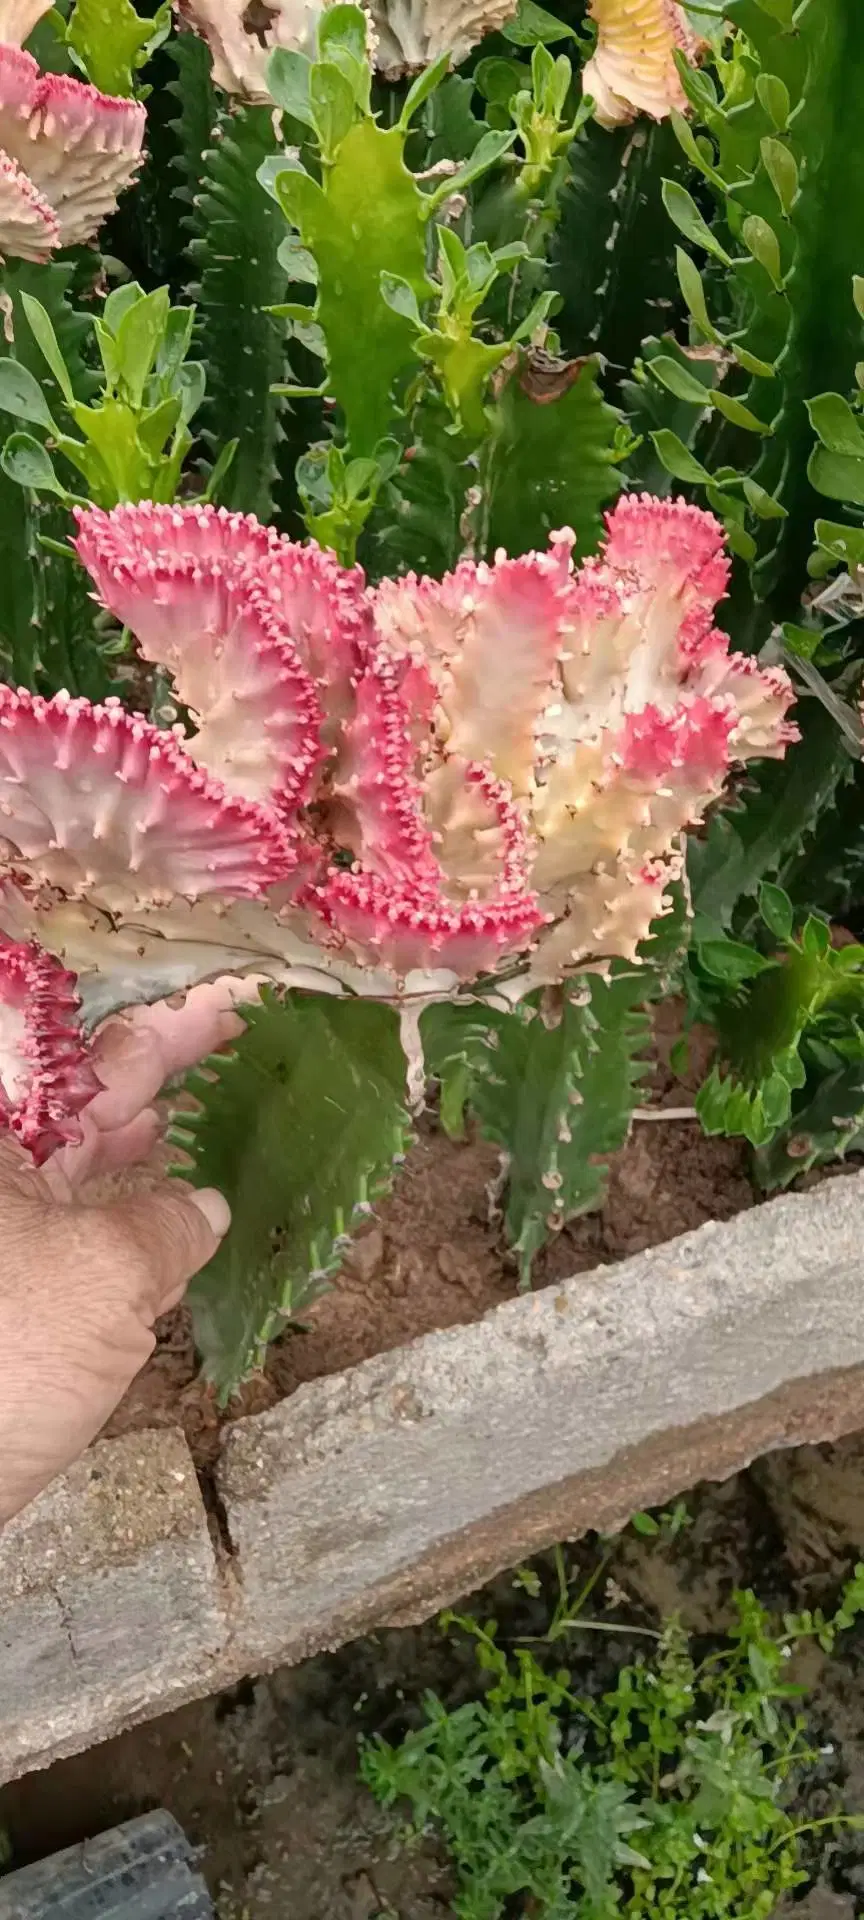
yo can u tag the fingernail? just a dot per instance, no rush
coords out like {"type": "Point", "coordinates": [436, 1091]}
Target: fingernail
{"type": "Point", "coordinates": [215, 1209]}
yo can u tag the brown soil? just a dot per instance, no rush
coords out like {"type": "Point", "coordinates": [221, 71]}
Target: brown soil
{"type": "Point", "coordinates": [432, 1259]}
{"type": "Point", "coordinates": [264, 1779]}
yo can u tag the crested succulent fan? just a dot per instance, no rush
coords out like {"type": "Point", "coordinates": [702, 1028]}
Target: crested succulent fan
{"type": "Point", "coordinates": [45, 1078]}
{"type": "Point", "coordinates": [407, 34]}
{"type": "Point", "coordinates": [632, 69]}
{"type": "Point", "coordinates": [393, 789]}
{"type": "Point", "coordinates": [66, 153]}
{"type": "Point", "coordinates": [413, 33]}
{"type": "Point", "coordinates": [241, 38]}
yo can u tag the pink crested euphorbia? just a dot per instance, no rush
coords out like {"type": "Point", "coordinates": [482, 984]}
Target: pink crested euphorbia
{"type": "Point", "coordinates": [66, 153]}
{"type": "Point", "coordinates": [632, 69]}
{"type": "Point", "coordinates": [391, 790]}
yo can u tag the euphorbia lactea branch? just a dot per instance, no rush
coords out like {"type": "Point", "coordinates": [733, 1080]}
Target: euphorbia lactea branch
{"type": "Point", "coordinates": [66, 153]}
{"type": "Point", "coordinates": [391, 790]}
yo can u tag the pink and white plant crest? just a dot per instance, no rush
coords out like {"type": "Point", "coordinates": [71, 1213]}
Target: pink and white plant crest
{"type": "Point", "coordinates": [66, 153]}
{"type": "Point", "coordinates": [390, 790]}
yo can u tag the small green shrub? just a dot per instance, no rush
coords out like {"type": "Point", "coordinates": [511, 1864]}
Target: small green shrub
{"type": "Point", "coordinates": [670, 1794]}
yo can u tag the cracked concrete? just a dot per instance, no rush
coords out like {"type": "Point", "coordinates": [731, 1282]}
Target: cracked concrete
{"type": "Point", "coordinates": [374, 1496]}
{"type": "Point", "coordinates": [109, 1595]}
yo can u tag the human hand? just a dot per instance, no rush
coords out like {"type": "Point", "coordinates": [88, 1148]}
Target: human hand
{"type": "Point", "coordinates": [82, 1285]}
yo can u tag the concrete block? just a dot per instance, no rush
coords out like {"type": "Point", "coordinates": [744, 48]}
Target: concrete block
{"type": "Point", "coordinates": [377, 1495]}
{"type": "Point", "coordinates": [110, 1601]}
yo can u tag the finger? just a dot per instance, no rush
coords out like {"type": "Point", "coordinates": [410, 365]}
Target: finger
{"type": "Point", "coordinates": [134, 1056]}
{"type": "Point", "coordinates": [130, 1065]}
{"type": "Point", "coordinates": [122, 1147]}
{"type": "Point", "coordinates": [20, 1180]}
{"type": "Point", "coordinates": [178, 1232]}
{"type": "Point", "coordinates": [70, 1166]}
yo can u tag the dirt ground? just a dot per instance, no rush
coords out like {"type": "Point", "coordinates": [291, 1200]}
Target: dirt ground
{"type": "Point", "coordinates": [264, 1779]}
{"type": "Point", "coordinates": [434, 1257]}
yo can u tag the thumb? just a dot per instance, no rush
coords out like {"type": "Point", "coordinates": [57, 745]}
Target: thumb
{"type": "Point", "coordinates": [177, 1229]}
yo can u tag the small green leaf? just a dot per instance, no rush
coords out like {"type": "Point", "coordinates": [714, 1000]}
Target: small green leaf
{"type": "Point", "coordinates": [773, 95]}
{"type": "Point", "coordinates": [781, 10]}
{"type": "Point", "coordinates": [775, 907]}
{"type": "Point", "coordinates": [838, 427]}
{"type": "Point", "coordinates": [735, 411]}
{"type": "Point", "coordinates": [677, 380]}
{"type": "Point", "coordinates": [22, 395]}
{"type": "Point", "coordinates": [678, 460]}
{"type": "Point", "coordinates": [421, 88]}
{"type": "Point", "coordinates": [682, 209]}
{"type": "Point", "coordinates": [156, 426]}
{"type": "Point", "coordinates": [782, 170]}
{"type": "Point", "coordinates": [333, 106]}
{"type": "Point", "coordinates": [343, 28]}
{"type": "Point", "coordinates": [219, 470]}
{"type": "Point", "coordinates": [729, 960]}
{"type": "Point", "coordinates": [118, 302]}
{"type": "Point", "coordinates": [694, 149]}
{"type": "Point", "coordinates": [400, 297]}
{"type": "Point", "coordinates": [763, 504]}
{"type": "Point", "coordinates": [844, 543]}
{"type": "Point", "coordinates": [762, 242]}
{"type": "Point", "coordinates": [46, 339]}
{"type": "Point", "coordinates": [690, 282]}
{"type": "Point", "coordinates": [532, 23]}
{"type": "Point", "coordinates": [645, 1524]}
{"type": "Point", "coordinates": [488, 151]}
{"type": "Point", "coordinates": [138, 339]}
{"type": "Point", "coordinates": [838, 475]}
{"type": "Point", "coordinates": [25, 460]}
{"type": "Point", "coordinates": [740, 541]}
{"type": "Point", "coordinates": [763, 369]}
{"type": "Point", "coordinates": [499, 79]}
{"type": "Point", "coordinates": [288, 81]}
{"type": "Point", "coordinates": [858, 292]}
{"type": "Point", "coordinates": [298, 262]}
{"type": "Point", "coordinates": [816, 937]}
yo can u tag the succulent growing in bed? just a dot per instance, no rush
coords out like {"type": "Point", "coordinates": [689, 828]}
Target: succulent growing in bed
{"type": "Point", "coordinates": [453, 803]}
{"type": "Point", "coordinates": [397, 792]}
{"type": "Point", "coordinates": [392, 790]}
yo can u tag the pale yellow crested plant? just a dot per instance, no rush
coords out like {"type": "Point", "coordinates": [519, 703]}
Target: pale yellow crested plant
{"type": "Point", "coordinates": [632, 69]}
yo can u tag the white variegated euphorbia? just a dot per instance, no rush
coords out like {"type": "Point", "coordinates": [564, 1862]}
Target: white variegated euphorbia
{"type": "Point", "coordinates": [66, 153]}
{"type": "Point", "coordinates": [18, 18]}
{"type": "Point", "coordinates": [241, 37]}
{"type": "Point", "coordinates": [404, 35]}
{"type": "Point", "coordinates": [391, 791]}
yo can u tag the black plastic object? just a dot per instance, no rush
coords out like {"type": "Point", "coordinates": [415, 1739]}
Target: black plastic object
{"type": "Point", "coordinates": [143, 1870]}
